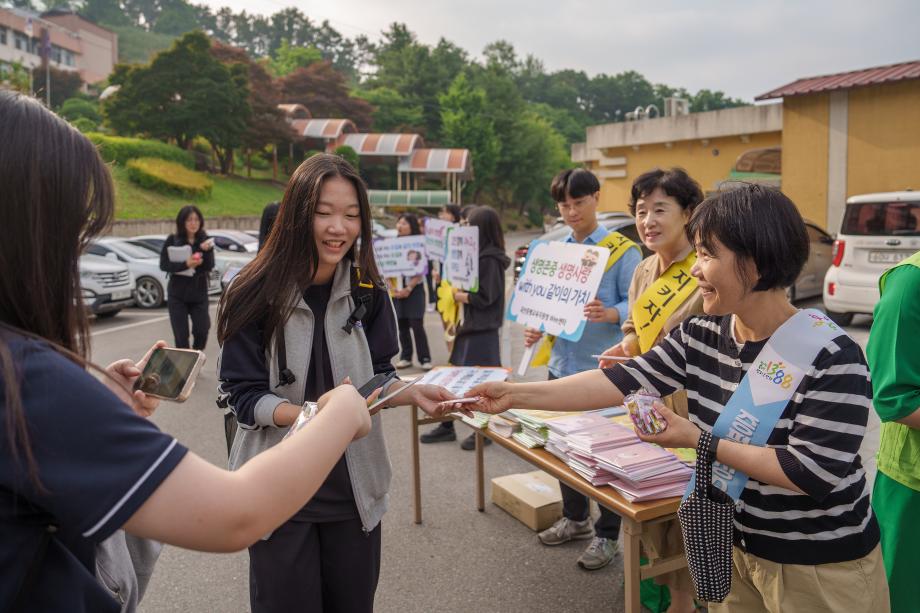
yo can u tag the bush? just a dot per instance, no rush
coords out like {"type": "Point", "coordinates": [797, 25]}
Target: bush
{"type": "Point", "coordinates": [169, 177]}
{"type": "Point", "coordinates": [84, 124]}
{"type": "Point", "coordinates": [119, 150]}
{"type": "Point", "coordinates": [76, 108]}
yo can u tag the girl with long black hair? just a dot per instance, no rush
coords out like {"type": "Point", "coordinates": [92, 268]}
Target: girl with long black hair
{"type": "Point", "coordinates": [187, 290]}
{"type": "Point", "coordinates": [409, 301]}
{"type": "Point", "coordinates": [76, 462]}
{"type": "Point", "coordinates": [307, 312]}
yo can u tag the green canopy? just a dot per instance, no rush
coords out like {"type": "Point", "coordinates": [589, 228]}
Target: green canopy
{"type": "Point", "coordinates": [421, 198]}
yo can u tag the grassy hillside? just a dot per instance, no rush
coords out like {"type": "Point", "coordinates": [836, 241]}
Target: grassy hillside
{"type": "Point", "coordinates": [137, 46]}
{"type": "Point", "coordinates": [230, 196]}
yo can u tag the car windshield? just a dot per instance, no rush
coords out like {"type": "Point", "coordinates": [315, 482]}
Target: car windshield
{"type": "Point", "coordinates": [882, 219]}
{"type": "Point", "coordinates": [134, 251]}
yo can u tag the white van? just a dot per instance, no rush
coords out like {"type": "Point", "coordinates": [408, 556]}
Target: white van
{"type": "Point", "coordinates": [877, 232]}
{"type": "Point", "coordinates": [107, 286]}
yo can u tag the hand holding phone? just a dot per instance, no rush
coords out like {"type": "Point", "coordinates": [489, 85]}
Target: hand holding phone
{"type": "Point", "coordinates": [170, 373]}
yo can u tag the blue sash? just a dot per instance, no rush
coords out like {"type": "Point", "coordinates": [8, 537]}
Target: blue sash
{"type": "Point", "coordinates": [767, 387]}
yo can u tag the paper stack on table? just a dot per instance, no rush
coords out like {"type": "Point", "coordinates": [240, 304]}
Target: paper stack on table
{"type": "Point", "coordinates": [534, 430]}
{"type": "Point", "coordinates": [478, 420]}
{"type": "Point", "coordinates": [644, 471]}
{"type": "Point", "coordinates": [504, 424]}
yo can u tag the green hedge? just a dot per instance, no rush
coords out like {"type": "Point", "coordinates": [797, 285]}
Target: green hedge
{"type": "Point", "coordinates": [119, 149]}
{"type": "Point", "coordinates": [169, 177]}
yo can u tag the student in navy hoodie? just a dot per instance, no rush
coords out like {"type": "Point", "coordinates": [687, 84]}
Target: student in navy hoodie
{"type": "Point", "coordinates": [483, 312]}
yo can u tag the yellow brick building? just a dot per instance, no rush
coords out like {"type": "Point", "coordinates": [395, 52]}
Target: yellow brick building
{"type": "Point", "coordinates": [841, 135]}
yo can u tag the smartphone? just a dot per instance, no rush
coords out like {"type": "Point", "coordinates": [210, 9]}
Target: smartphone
{"type": "Point", "coordinates": [374, 382]}
{"type": "Point", "coordinates": [170, 373]}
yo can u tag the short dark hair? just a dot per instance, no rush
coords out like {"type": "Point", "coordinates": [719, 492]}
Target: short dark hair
{"type": "Point", "coordinates": [757, 223]}
{"type": "Point", "coordinates": [674, 182]}
{"type": "Point", "coordinates": [465, 212]}
{"type": "Point", "coordinates": [574, 182]}
{"type": "Point", "coordinates": [490, 227]}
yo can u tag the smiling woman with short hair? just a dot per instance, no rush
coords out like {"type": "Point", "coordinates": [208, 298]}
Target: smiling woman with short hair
{"type": "Point", "coordinates": [805, 536]}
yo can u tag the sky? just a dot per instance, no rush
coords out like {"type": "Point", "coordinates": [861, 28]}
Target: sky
{"type": "Point", "coordinates": [744, 48]}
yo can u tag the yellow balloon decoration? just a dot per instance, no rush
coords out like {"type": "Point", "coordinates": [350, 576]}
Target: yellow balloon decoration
{"type": "Point", "coordinates": [447, 306]}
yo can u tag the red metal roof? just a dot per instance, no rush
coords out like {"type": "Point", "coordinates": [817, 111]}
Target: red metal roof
{"type": "Point", "coordinates": [846, 80]}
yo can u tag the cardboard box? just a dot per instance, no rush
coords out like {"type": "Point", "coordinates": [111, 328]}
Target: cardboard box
{"type": "Point", "coordinates": [533, 498]}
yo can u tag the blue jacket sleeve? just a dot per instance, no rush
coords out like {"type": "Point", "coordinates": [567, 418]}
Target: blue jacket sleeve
{"type": "Point", "coordinates": [624, 274]}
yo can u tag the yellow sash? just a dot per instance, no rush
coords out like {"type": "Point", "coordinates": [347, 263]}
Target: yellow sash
{"type": "Point", "coordinates": [618, 245]}
{"type": "Point", "coordinates": [659, 301]}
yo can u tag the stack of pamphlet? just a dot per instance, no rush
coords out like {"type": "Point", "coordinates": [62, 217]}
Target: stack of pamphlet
{"type": "Point", "coordinates": [534, 430]}
{"type": "Point", "coordinates": [575, 439]}
{"type": "Point", "coordinates": [644, 471]}
{"type": "Point", "coordinates": [478, 420]}
{"type": "Point", "coordinates": [504, 424]}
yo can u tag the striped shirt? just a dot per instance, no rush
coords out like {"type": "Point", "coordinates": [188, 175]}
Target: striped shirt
{"type": "Point", "coordinates": [817, 439]}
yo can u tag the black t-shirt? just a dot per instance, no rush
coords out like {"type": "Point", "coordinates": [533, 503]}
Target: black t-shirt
{"type": "Point", "coordinates": [334, 501]}
{"type": "Point", "coordinates": [98, 463]}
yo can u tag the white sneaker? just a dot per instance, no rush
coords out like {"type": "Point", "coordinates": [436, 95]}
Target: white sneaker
{"type": "Point", "coordinates": [404, 364]}
{"type": "Point", "coordinates": [427, 365]}
{"type": "Point", "coordinates": [430, 307]}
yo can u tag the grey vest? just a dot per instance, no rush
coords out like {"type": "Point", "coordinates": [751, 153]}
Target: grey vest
{"type": "Point", "coordinates": [349, 355]}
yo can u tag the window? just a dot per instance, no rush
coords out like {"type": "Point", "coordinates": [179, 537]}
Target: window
{"type": "Point", "coordinates": [3, 33]}
{"type": "Point", "coordinates": [93, 249]}
{"type": "Point", "coordinates": [68, 58]}
{"type": "Point", "coordinates": [21, 41]}
{"type": "Point", "coordinates": [56, 53]}
{"type": "Point", "coordinates": [882, 219]}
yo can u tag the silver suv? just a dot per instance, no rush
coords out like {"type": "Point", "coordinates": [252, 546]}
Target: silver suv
{"type": "Point", "coordinates": [877, 231]}
{"type": "Point", "coordinates": [107, 285]}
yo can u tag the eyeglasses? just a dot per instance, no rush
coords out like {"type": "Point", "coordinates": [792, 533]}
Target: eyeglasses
{"type": "Point", "coordinates": [578, 205]}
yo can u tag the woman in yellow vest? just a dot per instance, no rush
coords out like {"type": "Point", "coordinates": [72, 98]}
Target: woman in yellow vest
{"type": "Point", "coordinates": [895, 365]}
{"type": "Point", "coordinates": [662, 294]}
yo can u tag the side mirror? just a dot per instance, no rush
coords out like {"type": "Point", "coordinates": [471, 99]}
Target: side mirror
{"type": "Point", "coordinates": [112, 256]}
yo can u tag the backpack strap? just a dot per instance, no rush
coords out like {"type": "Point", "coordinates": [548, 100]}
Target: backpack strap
{"type": "Point", "coordinates": [362, 292]}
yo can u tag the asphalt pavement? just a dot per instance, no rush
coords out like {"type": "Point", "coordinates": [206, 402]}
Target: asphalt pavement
{"type": "Point", "coordinates": [458, 559]}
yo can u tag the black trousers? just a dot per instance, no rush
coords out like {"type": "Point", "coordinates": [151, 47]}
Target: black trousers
{"type": "Point", "coordinates": [179, 314]}
{"type": "Point", "coordinates": [327, 567]}
{"type": "Point", "coordinates": [429, 282]}
{"type": "Point", "coordinates": [576, 506]}
{"type": "Point", "coordinates": [407, 329]}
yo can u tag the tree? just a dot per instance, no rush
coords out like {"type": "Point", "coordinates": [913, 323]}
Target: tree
{"type": "Point", "coordinates": [287, 59]}
{"type": "Point", "coordinates": [349, 155]}
{"type": "Point", "coordinates": [183, 93]}
{"type": "Point", "coordinates": [322, 89]}
{"type": "Point", "coordinates": [392, 112]}
{"type": "Point", "coordinates": [707, 100]}
{"type": "Point", "coordinates": [466, 123]}
{"type": "Point", "coordinates": [265, 124]}
{"type": "Point", "coordinates": [15, 76]}
{"type": "Point", "coordinates": [64, 84]}
{"type": "Point", "coordinates": [176, 18]}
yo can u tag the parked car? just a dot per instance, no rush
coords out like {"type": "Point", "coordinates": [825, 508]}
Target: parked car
{"type": "Point", "coordinates": [107, 286]}
{"type": "Point", "coordinates": [811, 280]}
{"type": "Point", "coordinates": [877, 232]}
{"type": "Point", "coordinates": [807, 285]}
{"type": "Point", "coordinates": [155, 242]}
{"type": "Point", "coordinates": [235, 241]}
{"type": "Point", "coordinates": [144, 264]}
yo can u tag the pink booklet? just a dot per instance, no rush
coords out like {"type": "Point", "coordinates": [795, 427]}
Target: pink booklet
{"type": "Point", "coordinates": [577, 423]}
{"type": "Point", "coordinates": [636, 456]}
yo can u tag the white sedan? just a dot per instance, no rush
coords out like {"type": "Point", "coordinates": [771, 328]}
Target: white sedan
{"type": "Point", "coordinates": [144, 264]}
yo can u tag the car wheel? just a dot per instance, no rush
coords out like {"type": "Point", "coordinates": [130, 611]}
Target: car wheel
{"type": "Point", "coordinates": [149, 293]}
{"type": "Point", "coordinates": [108, 314]}
{"type": "Point", "coordinates": [841, 319]}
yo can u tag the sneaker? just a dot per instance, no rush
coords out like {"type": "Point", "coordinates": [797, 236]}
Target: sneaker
{"type": "Point", "coordinates": [426, 365]}
{"type": "Point", "coordinates": [439, 434]}
{"type": "Point", "coordinates": [469, 443]}
{"type": "Point", "coordinates": [430, 307]}
{"type": "Point", "coordinates": [404, 364]}
{"type": "Point", "coordinates": [599, 553]}
{"type": "Point", "coordinates": [566, 530]}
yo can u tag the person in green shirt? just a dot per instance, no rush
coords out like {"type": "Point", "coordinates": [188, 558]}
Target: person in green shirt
{"type": "Point", "coordinates": [895, 365]}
